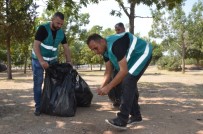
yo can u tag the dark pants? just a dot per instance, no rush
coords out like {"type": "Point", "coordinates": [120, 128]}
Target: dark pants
{"type": "Point", "coordinates": [115, 93]}
{"type": "Point", "coordinates": [129, 99]}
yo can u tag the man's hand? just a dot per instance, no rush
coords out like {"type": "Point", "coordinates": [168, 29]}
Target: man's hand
{"type": "Point", "coordinates": [103, 91]}
{"type": "Point", "coordinates": [44, 64]}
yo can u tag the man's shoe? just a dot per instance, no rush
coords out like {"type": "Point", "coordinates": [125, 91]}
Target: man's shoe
{"type": "Point", "coordinates": [37, 113]}
{"type": "Point", "coordinates": [134, 119]}
{"type": "Point", "coordinates": [117, 123]}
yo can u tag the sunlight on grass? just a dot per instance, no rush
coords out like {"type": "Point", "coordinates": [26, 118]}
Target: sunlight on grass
{"type": "Point", "coordinates": [76, 122]}
{"type": "Point", "coordinates": [48, 123]}
{"type": "Point", "coordinates": [199, 132]}
{"type": "Point", "coordinates": [137, 127]}
{"type": "Point", "coordinates": [26, 96]}
{"type": "Point", "coordinates": [107, 132]}
{"type": "Point", "coordinates": [11, 104]}
{"type": "Point", "coordinates": [80, 122]}
{"type": "Point", "coordinates": [60, 124]}
{"type": "Point", "coordinates": [104, 106]}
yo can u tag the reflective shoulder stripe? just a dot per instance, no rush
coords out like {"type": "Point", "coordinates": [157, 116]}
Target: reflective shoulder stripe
{"type": "Point", "coordinates": [140, 60]}
{"type": "Point", "coordinates": [48, 47]}
{"type": "Point", "coordinates": [45, 58]}
{"type": "Point", "coordinates": [132, 47]}
{"type": "Point", "coordinates": [33, 52]}
{"type": "Point", "coordinates": [49, 59]}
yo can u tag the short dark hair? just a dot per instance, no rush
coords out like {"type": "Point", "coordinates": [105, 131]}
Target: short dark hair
{"type": "Point", "coordinates": [59, 14]}
{"type": "Point", "coordinates": [120, 24]}
{"type": "Point", "coordinates": [95, 37]}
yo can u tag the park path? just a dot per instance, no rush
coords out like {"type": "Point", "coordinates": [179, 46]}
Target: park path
{"type": "Point", "coordinates": [171, 103]}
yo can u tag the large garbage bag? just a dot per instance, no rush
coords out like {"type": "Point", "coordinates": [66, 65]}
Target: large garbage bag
{"type": "Point", "coordinates": [2, 67]}
{"type": "Point", "coordinates": [115, 93]}
{"type": "Point", "coordinates": [58, 97]}
{"type": "Point", "coordinates": [82, 92]}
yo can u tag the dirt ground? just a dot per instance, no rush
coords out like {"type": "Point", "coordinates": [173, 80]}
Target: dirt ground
{"type": "Point", "coordinates": [171, 103]}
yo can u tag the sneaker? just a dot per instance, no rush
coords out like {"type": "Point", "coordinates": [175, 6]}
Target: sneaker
{"type": "Point", "coordinates": [134, 119]}
{"type": "Point", "coordinates": [117, 123]}
{"type": "Point", "coordinates": [37, 113]}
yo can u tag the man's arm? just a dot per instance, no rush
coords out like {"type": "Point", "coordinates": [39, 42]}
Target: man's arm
{"type": "Point", "coordinates": [121, 74]}
{"type": "Point", "coordinates": [36, 48]}
{"type": "Point", "coordinates": [67, 53]}
{"type": "Point", "coordinates": [107, 74]}
{"type": "Point", "coordinates": [117, 79]}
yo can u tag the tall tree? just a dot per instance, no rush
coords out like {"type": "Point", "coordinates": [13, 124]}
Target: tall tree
{"type": "Point", "coordinates": [195, 31]}
{"type": "Point", "coordinates": [16, 24]}
{"type": "Point", "coordinates": [173, 30]}
{"type": "Point", "coordinates": [129, 8]}
{"type": "Point", "coordinates": [180, 29]}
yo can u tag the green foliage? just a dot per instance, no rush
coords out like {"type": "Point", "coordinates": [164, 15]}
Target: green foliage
{"type": "Point", "coordinates": [169, 63]}
{"type": "Point", "coordinates": [3, 55]}
{"type": "Point", "coordinates": [177, 30]}
{"type": "Point", "coordinates": [195, 54]}
{"type": "Point", "coordinates": [72, 4]}
{"type": "Point", "coordinates": [157, 52]}
{"type": "Point", "coordinates": [92, 58]}
{"type": "Point", "coordinates": [16, 25]}
{"type": "Point", "coordinates": [129, 8]}
{"type": "Point", "coordinates": [180, 34]}
{"type": "Point", "coordinates": [107, 32]}
{"type": "Point", "coordinates": [17, 19]}
{"type": "Point", "coordinates": [87, 55]}
{"type": "Point", "coordinates": [195, 30]}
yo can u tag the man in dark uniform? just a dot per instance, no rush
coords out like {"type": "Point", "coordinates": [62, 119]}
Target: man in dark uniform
{"type": "Point", "coordinates": [45, 52]}
{"type": "Point", "coordinates": [119, 28]}
{"type": "Point", "coordinates": [130, 56]}
{"type": "Point", "coordinates": [115, 93]}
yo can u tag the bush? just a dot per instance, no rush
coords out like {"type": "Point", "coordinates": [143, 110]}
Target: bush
{"type": "Point", "coordinates": [169, 63]}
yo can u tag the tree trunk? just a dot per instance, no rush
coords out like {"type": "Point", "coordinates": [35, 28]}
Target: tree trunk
{"type": "Point", "coordinates": [100, 67]}
{"type": "Point", "coordinates": [25, 65]}
{"type": "Point", "coordinates": [132, 17]}
{"type": "Point", "coordinates": [9, 74]}
{"type": "Point", "coordinates": [183, 54]}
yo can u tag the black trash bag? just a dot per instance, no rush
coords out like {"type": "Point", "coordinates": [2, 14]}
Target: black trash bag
{"type": "Point", "coordinates": [58, 97]}
{"type": "Point", "coordinates": [115, 93]}
{"type": "Point", "coordinates": [2, 67]}
{"type": "Point", "coordinates": [82, 92]}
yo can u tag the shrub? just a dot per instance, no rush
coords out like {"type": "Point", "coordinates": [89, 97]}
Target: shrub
{"type": "Point", "coordinates": [169, 63]}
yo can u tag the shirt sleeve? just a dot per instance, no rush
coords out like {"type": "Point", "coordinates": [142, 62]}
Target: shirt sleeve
{"type": "Point", "coordinates": [41, 34]}
{"type": "Point", "coordinates": [120, 47]}
{"type": "Point", "coordinates": [106, 59]}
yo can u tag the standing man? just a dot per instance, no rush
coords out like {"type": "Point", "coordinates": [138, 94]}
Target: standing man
{"type": "Point", "coordinates": [45, 52]}
{"type": "Point", "coordinates": [131, 56]}
{"type": "Point", "coordinates": [119, 28]}
{"type": "Point", "coordinates": [115, 93]}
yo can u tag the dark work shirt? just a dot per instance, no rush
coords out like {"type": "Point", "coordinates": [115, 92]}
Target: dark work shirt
{"type": "Point", "coordinates": [120, 48]}
{"type": "Point", "coordinates": [42, 33]}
